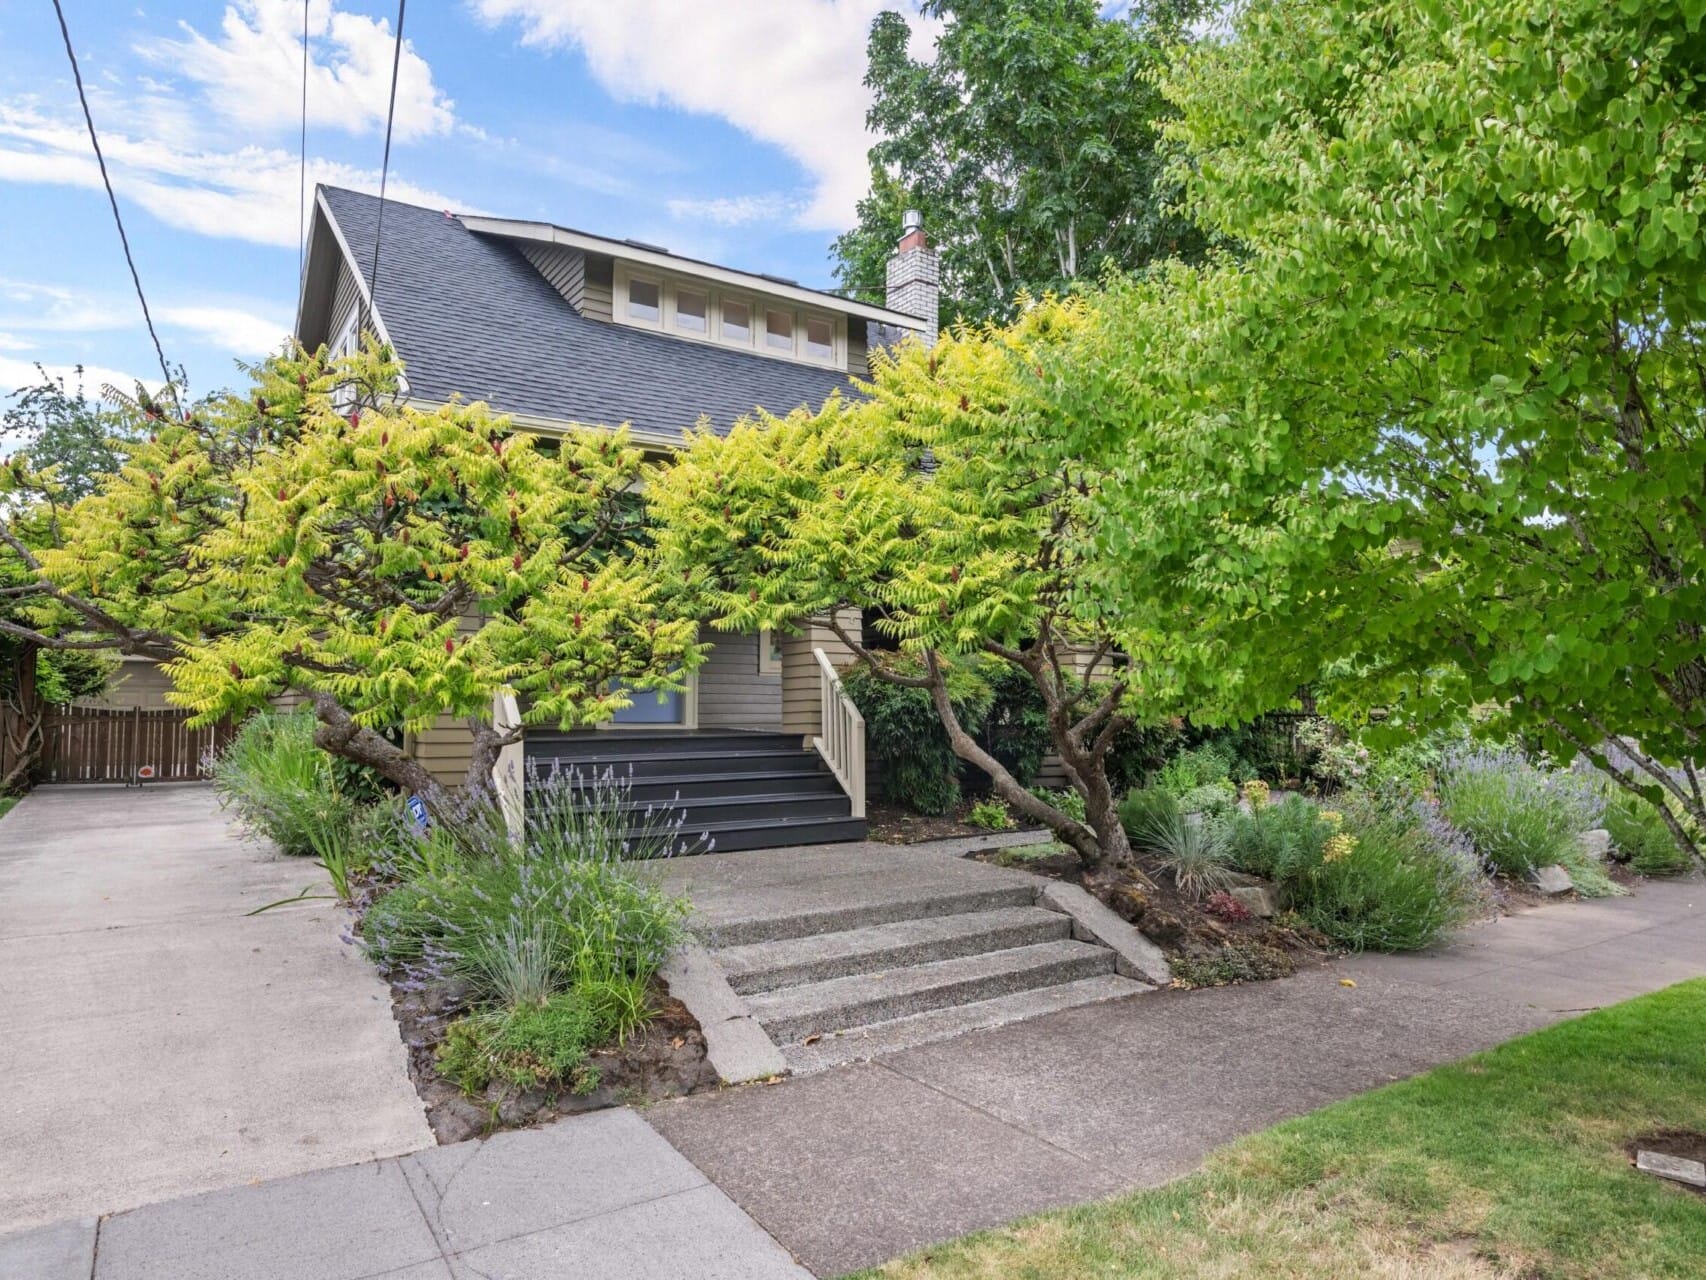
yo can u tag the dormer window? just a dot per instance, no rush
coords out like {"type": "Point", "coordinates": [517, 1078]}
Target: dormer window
{"type": "Point", "coordinates": [820, 337]}
{"type": "Point", "coordinates": [737, 322]}
{"type": "Point", "coordinates": [779, 330]}
{"type": "Point", "coordinates": [645, 300]}
{"type": "Point", "coordinates": [690, 310]}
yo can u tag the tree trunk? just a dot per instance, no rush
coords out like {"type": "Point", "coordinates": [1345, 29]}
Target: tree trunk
{"type": "Point", "coordinates": [341, 736]}
{"type": "Point", "coordinates": [1099, 841]}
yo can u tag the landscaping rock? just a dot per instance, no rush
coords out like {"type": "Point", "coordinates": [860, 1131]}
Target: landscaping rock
{"type": "Point", "coordinates": [1258, 899]}
{"type": "Point", "coordinates": [1092, 921]}
{"type": "Point", "coordinates": [1552, 879]}
{"type": "Point", "coordinates": [1596, 844]}
{"type": "Point", "coordinates": [457, 1120]}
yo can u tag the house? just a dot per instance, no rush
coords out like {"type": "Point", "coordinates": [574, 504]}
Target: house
{"type": "Point", "coordinates": [560, 328]}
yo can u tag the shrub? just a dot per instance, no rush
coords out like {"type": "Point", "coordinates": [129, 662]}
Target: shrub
{"type": "Point", "coordinates": [1588, 877]}
{"type": "Point", "coordinates": [1329, 756]}
{"type": "Point", "coordinates": [1393, 877]}
{"type": "Point", "coordinates": [1640, 837]}
{"type": "Point", "coordinates": [1144, 808]}
{"type": "Point", "coordinates": [919, 771]}
{"type": "Point", "coordinates": [1277, 841]}
{"type": "Point", "coordinates": [1518, 816]}
{"type": "Point", "coordinates": [1198, 767]}
{"type": "Point", "coordinates": [517, 921]}
{"type": "Point", "coordinates": [277, 780]}
{"type": "Point", "coordinates": [990, 815]}
{"type": "Point", "coordinates": [1015, 729]}
{"type": "Point", "coordinates": [1214, 801]}
{"type": "Point", "coordinates": [1066, 799]}
{"type": "Point", "coordinates": [1190, 850]}
{"type": "Point", "coordinates": [1226, 907]}
{"type": "Point", "coordinates": [1138, 750]}
{"type": "Point", "coordinates": [527, 1045]}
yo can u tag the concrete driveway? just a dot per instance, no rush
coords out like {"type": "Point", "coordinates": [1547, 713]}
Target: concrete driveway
{"type": "Point", "coordinates": [158, 1041]}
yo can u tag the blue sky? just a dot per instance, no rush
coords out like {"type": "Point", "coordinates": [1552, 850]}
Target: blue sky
{"type": "Point", "coordinates": [729, 131]}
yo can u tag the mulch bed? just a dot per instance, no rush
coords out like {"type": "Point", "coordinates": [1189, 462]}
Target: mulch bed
{"type": "Point", "coordinates": [892, 824]}
{"type": "Point", "coordinates": [664, 1059]}
{"type": "Point", "coordinates": [1204, 949]}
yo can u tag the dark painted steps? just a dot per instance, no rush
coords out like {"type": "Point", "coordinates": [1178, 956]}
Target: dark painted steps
{"type": "Point", "coordinates": [731, 789]}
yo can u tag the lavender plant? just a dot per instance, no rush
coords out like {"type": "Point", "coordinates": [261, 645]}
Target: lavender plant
{"type": "Point", "coordinates": [1518, 815]}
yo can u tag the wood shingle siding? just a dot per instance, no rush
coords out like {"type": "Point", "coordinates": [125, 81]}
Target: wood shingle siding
{"type": "Point", "coordinates": [564, 268]}
{"type": "Point", "coordinates": [599, 303]}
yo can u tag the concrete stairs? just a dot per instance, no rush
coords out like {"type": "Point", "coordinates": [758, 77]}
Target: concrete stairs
{"type": "Point", "coordinates": [838, 985]}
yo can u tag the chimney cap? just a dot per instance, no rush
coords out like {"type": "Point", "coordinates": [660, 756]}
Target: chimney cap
{"type": "Point", "coordinates": [911, 221]}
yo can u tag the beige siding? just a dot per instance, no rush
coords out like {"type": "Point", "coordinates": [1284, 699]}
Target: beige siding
{"type": "Point", "coordinates": [600, 295]}
{"type": "Point", "coordinates": [138, 682]}
{"type": "Point", "coordinates": [444, 749]}
{"type": "Point", "coordinates": [564, 268]}
{"type": "Point", "coordinates": [802, 712]}
{"type": "Point", "coordinates": [733, 694]}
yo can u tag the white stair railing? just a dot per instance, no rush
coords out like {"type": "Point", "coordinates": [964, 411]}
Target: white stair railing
{"type": "Point", "coordinates": [509, 774]}
{"type": "Point", "coordinates": [842, 742]}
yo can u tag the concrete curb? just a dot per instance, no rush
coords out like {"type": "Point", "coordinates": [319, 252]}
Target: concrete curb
{"type": "Point", "coordinates": [738, 1049]}
{"type": "Point", "coordinates": [1092, 921]}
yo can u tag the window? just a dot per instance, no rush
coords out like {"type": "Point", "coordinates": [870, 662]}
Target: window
{"type": "Point", "coordinates": [820, 338]}
{"type": "Point", "coordinates": [737, 321]}
{"type": "Point", "coordinates": [769, 653]}
{"type": "Point", "coordinates": [645, 299]}
{"type": "Point", "coordinates": [779, 330]}
{"type": "Point", "coordinates": [690, 310]}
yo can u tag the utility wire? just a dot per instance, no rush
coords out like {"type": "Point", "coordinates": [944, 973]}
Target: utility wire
{"type": "Point", "coordinates": [385, 166]}
{"type": "Point", "coordinates": [302, 177]}
{"type": "Point", "coordinates": [106, 181]}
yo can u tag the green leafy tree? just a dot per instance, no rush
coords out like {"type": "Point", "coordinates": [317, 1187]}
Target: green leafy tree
{"type": "Point", "coordinates": [57, 427]}
{"type": "Point", "coordinates": [1438, 436]}
{"type": "Point", "coordinates": [944, 509]}
{"type": "Point", "coordinates": [386, 565]}
{"type": "Point", "coordinates": [1029, 143]}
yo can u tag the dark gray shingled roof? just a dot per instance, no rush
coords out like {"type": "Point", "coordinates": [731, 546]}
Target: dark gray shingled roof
{"type": "Point", "coordinates": [471, 317]}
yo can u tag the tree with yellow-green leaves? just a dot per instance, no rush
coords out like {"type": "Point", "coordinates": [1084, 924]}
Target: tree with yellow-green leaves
{"type": "Point", "coordinates": [944, 509]}
{"type": "Point", "coordinates": [386, 565]}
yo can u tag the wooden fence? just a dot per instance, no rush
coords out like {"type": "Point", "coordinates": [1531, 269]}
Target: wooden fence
{"type": "Point", "coordinates": [117, 744]}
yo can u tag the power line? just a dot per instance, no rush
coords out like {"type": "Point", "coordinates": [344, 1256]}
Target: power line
{"type": "Point", "coordinates": [385, 166]}
{"type": "Point", "coordinates": [302, 177]}
{"type": "Point", "coordinates": [101, 160]}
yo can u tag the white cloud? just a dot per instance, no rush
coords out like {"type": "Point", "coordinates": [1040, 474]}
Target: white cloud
{"type": "Point", "coordinates": [230, 328]}
{"type": "Point", "coordinates": [29, 308]}
{"type": "Point", "coordinates": [250, 73]}
{"type": "Point", "coordinates": [245, 194]}
{"type": "Point", "coordinates": [15, 374]}
{"type": "Point", "coordinates": [788, 72]}
{"type": "Point", "coordinates": [736, 211]}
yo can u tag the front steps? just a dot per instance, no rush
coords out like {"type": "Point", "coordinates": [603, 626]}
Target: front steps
{"type": "Point", "coordinates": [841, 985]}
{"type": "Point", "coordinates": [735, 789]}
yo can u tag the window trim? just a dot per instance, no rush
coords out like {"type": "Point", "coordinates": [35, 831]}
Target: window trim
{"type": "Point", "coordinates": [769, 653]}
{"type": "Point", "coordinates": [757, 306]}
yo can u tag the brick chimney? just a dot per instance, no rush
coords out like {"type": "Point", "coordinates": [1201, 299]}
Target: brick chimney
{"type": "Point", "coordinates": [915, 276]}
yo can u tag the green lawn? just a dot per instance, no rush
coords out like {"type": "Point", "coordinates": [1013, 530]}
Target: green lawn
{"type": "Point", "coordinates": [6, 803]}
{"type": "Point", "coordinates": [1507, 1164]}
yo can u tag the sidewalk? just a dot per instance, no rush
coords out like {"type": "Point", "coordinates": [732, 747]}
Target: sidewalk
{"type": "Point", "coordinates": [857, 1165]}
{"type": "Point", "coordinates": [599, 1196]}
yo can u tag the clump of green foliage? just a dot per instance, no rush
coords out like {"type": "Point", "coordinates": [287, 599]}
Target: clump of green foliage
{"type": "Point", "coordinates": [1640, 838]}
{"type": "Point", "coordinates": [990, 815]}
{"type": "Point", "coordinates": [526, 1045]}
{"type": "Point", "coordinates": [285, 789]}
{"type": "Point", "coordinates": [1145, 808]}
{"type": "Point", "coordinates": [1232, 963]}
{"type": "Point", "coordinates": [919, 771]}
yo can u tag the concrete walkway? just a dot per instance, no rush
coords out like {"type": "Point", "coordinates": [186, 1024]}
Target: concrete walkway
{"type": "Point", "coordinates": [853, 1166]}
{"type": "Point", "coordinates": [599, 1195]}
{"type": "Point", "coordinates": [155, 1040]}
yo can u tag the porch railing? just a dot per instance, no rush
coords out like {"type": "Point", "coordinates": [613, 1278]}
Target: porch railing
{"type": "Point", "coordinates": [842, 741]}
{"type": "Point", "coordinates": [509, 775]}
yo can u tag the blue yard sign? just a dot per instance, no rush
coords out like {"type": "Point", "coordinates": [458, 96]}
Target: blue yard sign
{"type": "Point", "coordinates": [418, 814]}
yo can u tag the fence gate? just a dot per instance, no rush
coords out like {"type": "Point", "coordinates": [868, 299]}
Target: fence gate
{"type": "Point", "coordinates": [120, 744]}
